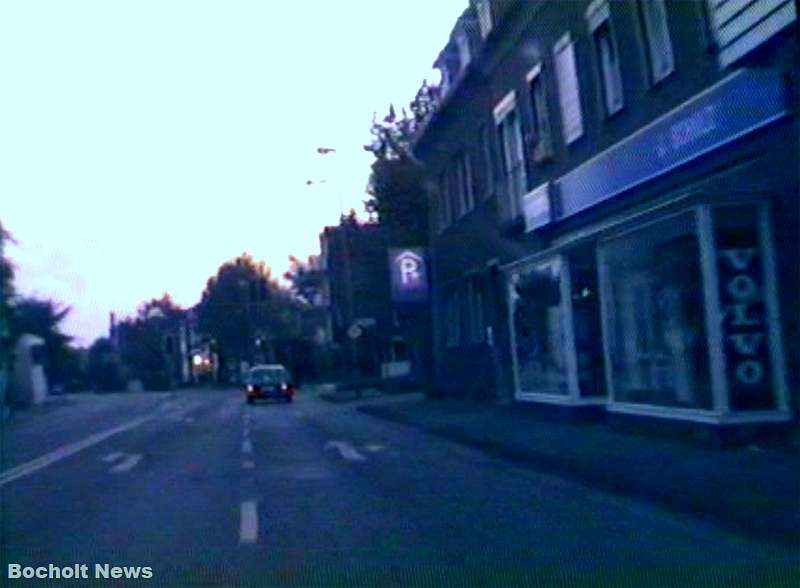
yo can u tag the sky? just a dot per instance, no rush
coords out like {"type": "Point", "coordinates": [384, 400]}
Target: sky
{"type": "Point", "coordinates": [144, 143]}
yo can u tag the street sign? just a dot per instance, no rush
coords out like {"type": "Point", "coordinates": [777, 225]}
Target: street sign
{"type": "Point", "coordinates": [409, 277]}
{"type": "Point", "coordinates": [354, 332]}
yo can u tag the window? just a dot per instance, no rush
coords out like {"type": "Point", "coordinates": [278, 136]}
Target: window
{"type": "Point", "coordinates": [484, 10]}
{"type": "Point", "coordinates": [474, 295]}
{"type": "Point", "coordinates": [654, 319]}
{"type": "Point", "coordinates": [444, 201]}
{"type": "Point", "coordinates": [487, 154]}
{"type": "Point", "coordinates": [605, 47]}
{"type": "Point", "coordinates": [512, 153]}
{"type": "Point", "coordinates": [463, 183]}
{"type": "Point", "coordinates": [451, 313]}
{"type": "Point", "coordinates": [568, 90]}
{"type": "Point", "coordinates": [653, 14]}
{"type": "Point", "coordinates": [540, 335]}
{"type": "Point", "coordinates": [462, 43]}
{"type": "Point", "coordinates": [539, 135]}
{"type": "Point", "coordinates": [742, 26]}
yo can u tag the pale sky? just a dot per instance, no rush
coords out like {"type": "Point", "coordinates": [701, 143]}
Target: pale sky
{"type": "Point", "coordinates": [143, 143]}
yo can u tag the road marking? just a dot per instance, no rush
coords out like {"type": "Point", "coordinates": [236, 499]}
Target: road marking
{"type": "Point", "coordinates": [248, 464]}
{"type": "Point", "coordinates": [127, 464]}
{"type": "Point", "coordinates": [247, 446]}
{"type": "Point", "coordinates": [374, 448]}
{"type": "Point", "coordinates": [113, 456]}
{"type": "Point", "coordinates": [39, 463]}
{"type": "Point", "coordinates": [346, 450]}
{"type": "Point", "coordinates": [248, 527]}
{"type": "Point", "coordinates": [188, 419]}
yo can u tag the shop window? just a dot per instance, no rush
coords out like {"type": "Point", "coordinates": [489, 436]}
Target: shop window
{"type": "Point", "coordinates": [538, 316]}
{"type": "Point", "coordinates": [742, 295]}
{"type": "Point", "coordinates": [654, 316]}
{"type": "Point", "coordinates": [586, 322]}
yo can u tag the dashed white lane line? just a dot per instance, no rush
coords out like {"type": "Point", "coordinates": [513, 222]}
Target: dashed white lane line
{"type": "Point", "coordinates": [248, 527]}
{"type": "Point", "coordinates": [374, 448]}
{"type": "Point", "coordinates": [247, 447]}
{"type": "Point", "coordinates": [127, 464]}
{"type": "Point", "coordinates": [248, 464]}
{"type": "Point", "coordinates": [113, 456]}
{"type": "Point", "coordinates": [346, 450]}
{"type": "Point", "coordinates": [65, 451]}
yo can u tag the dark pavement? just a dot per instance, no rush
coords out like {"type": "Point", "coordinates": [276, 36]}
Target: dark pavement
{"type": "Point", "coordinates": [208, 491]}
{"type": "Point", "coordinates": [753, 489]}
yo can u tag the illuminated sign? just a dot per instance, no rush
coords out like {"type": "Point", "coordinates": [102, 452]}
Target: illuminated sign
{"type": "Point", "coordinates": [409, 274]}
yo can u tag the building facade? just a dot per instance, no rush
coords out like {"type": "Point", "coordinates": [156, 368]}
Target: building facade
{"type": "Point", "coordinates": [616, 211]}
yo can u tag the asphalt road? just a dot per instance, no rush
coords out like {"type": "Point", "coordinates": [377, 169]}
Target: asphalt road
{"type": "Point", "coordinates": [205, 490]}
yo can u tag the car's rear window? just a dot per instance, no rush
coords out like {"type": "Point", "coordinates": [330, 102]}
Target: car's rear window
{"type": "Point", "coordinates": [268, 376]}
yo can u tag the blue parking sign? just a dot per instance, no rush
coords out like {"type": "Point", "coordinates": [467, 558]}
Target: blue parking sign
{"type": "Point", "coordinates": [409, 275]}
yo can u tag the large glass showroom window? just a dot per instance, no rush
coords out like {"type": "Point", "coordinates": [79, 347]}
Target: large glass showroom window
{"type": "Point", "coordinates": [556, 328]}
{"type": "Point", "coordinates": [654, 318]}
{"type": "Point", "coordinates": [539, 329]}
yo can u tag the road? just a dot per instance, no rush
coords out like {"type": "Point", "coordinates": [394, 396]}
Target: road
{"type": "Point", "coordinates": [208, 491]}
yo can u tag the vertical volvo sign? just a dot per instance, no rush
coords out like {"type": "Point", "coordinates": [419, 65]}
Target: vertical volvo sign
{"type": "Point", "coordinates": [409, 275]}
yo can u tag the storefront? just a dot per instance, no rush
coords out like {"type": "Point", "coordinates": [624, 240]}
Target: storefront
{"type": "Point", "coordinates": [668, 308]}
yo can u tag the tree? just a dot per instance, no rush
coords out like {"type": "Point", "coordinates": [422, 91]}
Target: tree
{"type": "Point", "coordinates": [6, 296]}
{"type": "Point", "coordinates": [397, 184]}
{"type": "Point", "coordinates": [305, 279]}
{"type": "Point", "coordinates": [148, 342]}
{"type": "Point", "coordinates": [242, 305]}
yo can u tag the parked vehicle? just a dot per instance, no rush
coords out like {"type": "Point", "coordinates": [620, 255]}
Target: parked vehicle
{"type": "Point", "coordinates": [268, 381]}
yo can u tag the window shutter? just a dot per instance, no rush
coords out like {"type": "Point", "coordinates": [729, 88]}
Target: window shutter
{"type": "Point", "coordinates": [568, 90]}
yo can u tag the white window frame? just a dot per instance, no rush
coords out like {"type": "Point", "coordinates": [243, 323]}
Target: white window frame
{"type": "Point", "coordinates": [720, 412]}
{"type": "Point", "coordinates": [464, 189]}
{"type": "Point", "coordinates": [609, 74]}
{"type": "Point", "coordinates": [657, 39]}
{"type": "Point", "coordinates": [512, 146]}
{"type": "Point", "coordinates": [537, 94]}
{"type": "Point", "coordinates": [568, 89]}
{"type": "Point", "coordinates": [573, 396]}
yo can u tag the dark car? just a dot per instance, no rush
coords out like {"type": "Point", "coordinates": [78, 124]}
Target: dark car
{"type": "Point", "coordinates": [269, 381]}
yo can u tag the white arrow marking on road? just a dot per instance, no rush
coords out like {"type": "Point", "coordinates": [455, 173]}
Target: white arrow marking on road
{"type": "Point", "coordinates": [248, 527]}
{"type": "Point", "coordinates": [346, 450]}
{"type": "Point", "coordinates": [37, 464]}
{"type": "Point", "coordinates": [114, 456]}
{"type": "Point", "coordinates": [127, 464]}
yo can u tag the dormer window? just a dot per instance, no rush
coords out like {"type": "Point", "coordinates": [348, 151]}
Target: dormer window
{"type": "Point", "coordinates": [484, 10]}
{"type": "Point", "coordinates": [464, 56]}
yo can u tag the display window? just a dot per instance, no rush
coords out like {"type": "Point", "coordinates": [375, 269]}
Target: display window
{"type": "Point", "coordinates": [556, 328]}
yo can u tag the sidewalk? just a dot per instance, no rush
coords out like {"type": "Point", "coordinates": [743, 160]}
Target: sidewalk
{"type": "Point", "coordinates": [755, 491]}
